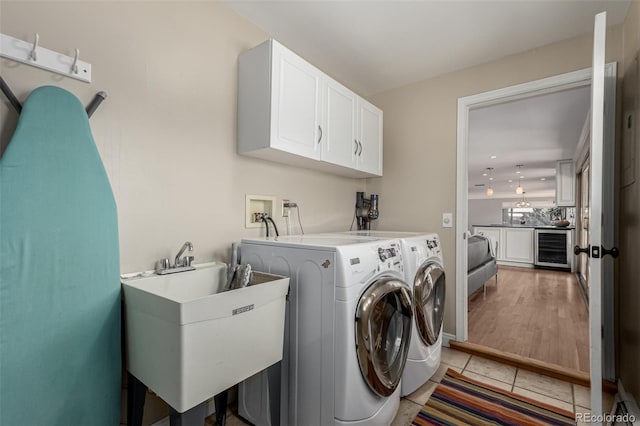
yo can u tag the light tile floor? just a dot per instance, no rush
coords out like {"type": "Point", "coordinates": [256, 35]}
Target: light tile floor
{"type": "Point", "coordinates": [552, 391]}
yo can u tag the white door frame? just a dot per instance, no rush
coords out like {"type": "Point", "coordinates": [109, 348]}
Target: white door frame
{"type": "Point", "coordinates": [547, 85]}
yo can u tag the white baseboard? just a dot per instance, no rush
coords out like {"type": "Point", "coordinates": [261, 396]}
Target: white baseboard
{"type": "Point", "coordinates": [446, 337]}
{"type": "Point", "coordinates": [516, 264]}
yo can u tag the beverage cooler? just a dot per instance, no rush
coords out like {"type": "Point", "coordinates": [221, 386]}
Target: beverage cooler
{"type": "Point", "coordinates": [553, 248]}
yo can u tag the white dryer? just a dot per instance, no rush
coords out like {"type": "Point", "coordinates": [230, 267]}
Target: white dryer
{"type": "Point", "coordinates": [347, 332]}
{"type": "Point", "coordinates": [424, 271]}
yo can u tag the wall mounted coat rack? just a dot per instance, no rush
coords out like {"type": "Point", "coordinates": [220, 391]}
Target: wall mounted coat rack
{"type": "Point", "coordinates": [30, 53]}
{"type": "Point", "coordinates": [15, 103]}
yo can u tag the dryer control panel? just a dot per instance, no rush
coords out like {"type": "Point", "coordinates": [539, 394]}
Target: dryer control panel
{"type": "Point", "coordinates": [434, 246]}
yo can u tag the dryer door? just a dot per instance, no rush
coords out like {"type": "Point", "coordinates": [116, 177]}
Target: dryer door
{"type": "Point", "coordinates": [383, 330]}
{"type": "Point", "coordinates": [428, 297]}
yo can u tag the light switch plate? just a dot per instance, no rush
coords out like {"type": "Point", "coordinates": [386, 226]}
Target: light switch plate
{"type": "Point", "coordinates": [447, 220]}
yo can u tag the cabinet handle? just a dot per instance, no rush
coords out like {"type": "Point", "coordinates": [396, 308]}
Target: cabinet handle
{"type": "Point", "coordinates": [360, 153]}
{"type": "Point", "coordinates": [320, 137]}
{"type": "Point", "coordinates": [356, 151]}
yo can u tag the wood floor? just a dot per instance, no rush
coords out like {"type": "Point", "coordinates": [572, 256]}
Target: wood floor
{"type": "Point", "coordinates": [534, 313]}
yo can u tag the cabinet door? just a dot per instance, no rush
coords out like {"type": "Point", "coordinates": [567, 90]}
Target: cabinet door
{"type": "Point", "coordinates": [565, 184]}
{"type": "Point", "coordinates": [518, 245]}
{"type": "Point", "coordinates": [296, 104]}
{"type": "Point", "coordinates": [495, 235]}
{"type": "Point", "coordinates": [369, 156]}
{"type": "Point", "coordinates": [339, 145]}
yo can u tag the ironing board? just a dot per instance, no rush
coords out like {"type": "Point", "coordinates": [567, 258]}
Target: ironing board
{"type": "Point", "coordinates": [59, 271]}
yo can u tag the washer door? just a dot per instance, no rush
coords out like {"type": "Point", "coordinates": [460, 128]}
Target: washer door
{"type": "Point", "coordinates": [383, 331]}
{"type": "Point", "coordinates": [428, 297]}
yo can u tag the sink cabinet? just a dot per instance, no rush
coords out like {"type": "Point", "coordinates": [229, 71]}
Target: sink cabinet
{"type": "Point", "coordinates": [290, 112]}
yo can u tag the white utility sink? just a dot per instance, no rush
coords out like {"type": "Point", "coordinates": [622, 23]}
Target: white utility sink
{"type": "Point", "coordinates": [188, 341]}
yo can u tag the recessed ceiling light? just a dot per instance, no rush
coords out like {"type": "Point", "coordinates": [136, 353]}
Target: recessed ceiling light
{"type": "Point", "coordinates": [518, 172]}
{"type": "Point", "coordinates": [490, 178]}
{"type": "Point", "coordinates": [542, 179]}
{"type": "Point", "coordinates": [510, 180]}
{"type": "Point", "coordinates": [521, 177]}
{"type": "Point", "coordinates": [484, 174]}
{"type": "Point", "coordinates": [493, 157]}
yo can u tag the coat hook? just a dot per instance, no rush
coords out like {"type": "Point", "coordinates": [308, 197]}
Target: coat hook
{"type": "Point", "coordinates": [74, 67]}
{"type": "Point", "coordinates": [34, 54]}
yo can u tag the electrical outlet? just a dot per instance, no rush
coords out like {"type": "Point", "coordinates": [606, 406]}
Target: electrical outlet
{"type": "Point", "coordinates": [285, 210]}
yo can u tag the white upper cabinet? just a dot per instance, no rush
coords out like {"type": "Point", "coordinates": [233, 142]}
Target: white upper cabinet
{"type": "Point", "coordinates": [290, 112]}
{"type": "Point", "coordinates": [369, 137]}
{"type": "Point", "coordinates": [295, 104]}
{"type": "Point", "coordinates": [565, 184]}
{"type": "Point", "coordinates": [340, 146]}
{"type": "Point", "coordinates": [279, 104]}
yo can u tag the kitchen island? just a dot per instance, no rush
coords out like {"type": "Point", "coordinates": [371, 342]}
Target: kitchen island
{"type": "Point", "coordinates": [517, 245]}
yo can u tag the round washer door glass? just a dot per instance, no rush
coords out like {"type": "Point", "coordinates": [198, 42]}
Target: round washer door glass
{"type": "Point", "coordinates": [383, 330]}
{"type": "Point", "coordinates": [428, 296]}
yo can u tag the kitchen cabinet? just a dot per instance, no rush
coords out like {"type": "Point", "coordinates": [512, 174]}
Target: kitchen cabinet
{"type": "Point", "coordinates": [518, 245]}
{"type": "Point", "coordinates": [291, 112]}
{"type": "Point", "coordinates": [565, 184]}
{"type": "Point", "coordinates": [515, 245]}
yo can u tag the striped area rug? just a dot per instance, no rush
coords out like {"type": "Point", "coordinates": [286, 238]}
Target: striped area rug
{"type": "Point", "coordinates": [459, 400]}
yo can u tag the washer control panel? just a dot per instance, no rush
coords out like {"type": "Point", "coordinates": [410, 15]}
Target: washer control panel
{"type": "Point", "coordinates": [375, 257]}
{"type": "Point", "coordinates": [390, 257]}
{"type": "Point", "coordinates": [387, 253]}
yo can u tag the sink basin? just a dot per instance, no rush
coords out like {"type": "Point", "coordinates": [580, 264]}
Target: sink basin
{"type": "Point", "coordinates": [187, 340]}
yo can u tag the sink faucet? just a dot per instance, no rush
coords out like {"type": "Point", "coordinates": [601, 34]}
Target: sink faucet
{"type": "Point", "coordinates": [178, 262]}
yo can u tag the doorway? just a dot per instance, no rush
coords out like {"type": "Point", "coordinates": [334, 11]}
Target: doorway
{"type": "Point", "coordinates": [567, 81]}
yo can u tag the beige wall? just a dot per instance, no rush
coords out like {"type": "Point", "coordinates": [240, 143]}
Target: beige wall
{"type": "Point", "coordinates": [419, 182]}
{"type": "Point", "coordinates": [629, 242]}
{"type": "Point", "coordinates": [167, 132]}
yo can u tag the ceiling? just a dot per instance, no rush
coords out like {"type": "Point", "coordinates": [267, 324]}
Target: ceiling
{"type": "Point", "coordinates": [373, 46]}
{"type": "Point", "coordinates": [534, 132]}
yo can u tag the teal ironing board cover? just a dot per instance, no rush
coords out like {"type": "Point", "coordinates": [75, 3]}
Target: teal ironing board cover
{"type": "Point", "coordinates": [60, 358]}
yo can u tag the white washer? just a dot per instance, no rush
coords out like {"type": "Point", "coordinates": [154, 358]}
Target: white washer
{"type": "Point", "coordinates": [424, 271]}
{"type": "Point", "coordinates": [347, 332]}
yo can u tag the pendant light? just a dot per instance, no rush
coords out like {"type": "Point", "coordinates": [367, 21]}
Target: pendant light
{"type": "Point", "coordinates": [519, 189]}
{"type": "Point", "coordinates": [523, 202]}
{"type": "Point", "coordinates": [489, 189]}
